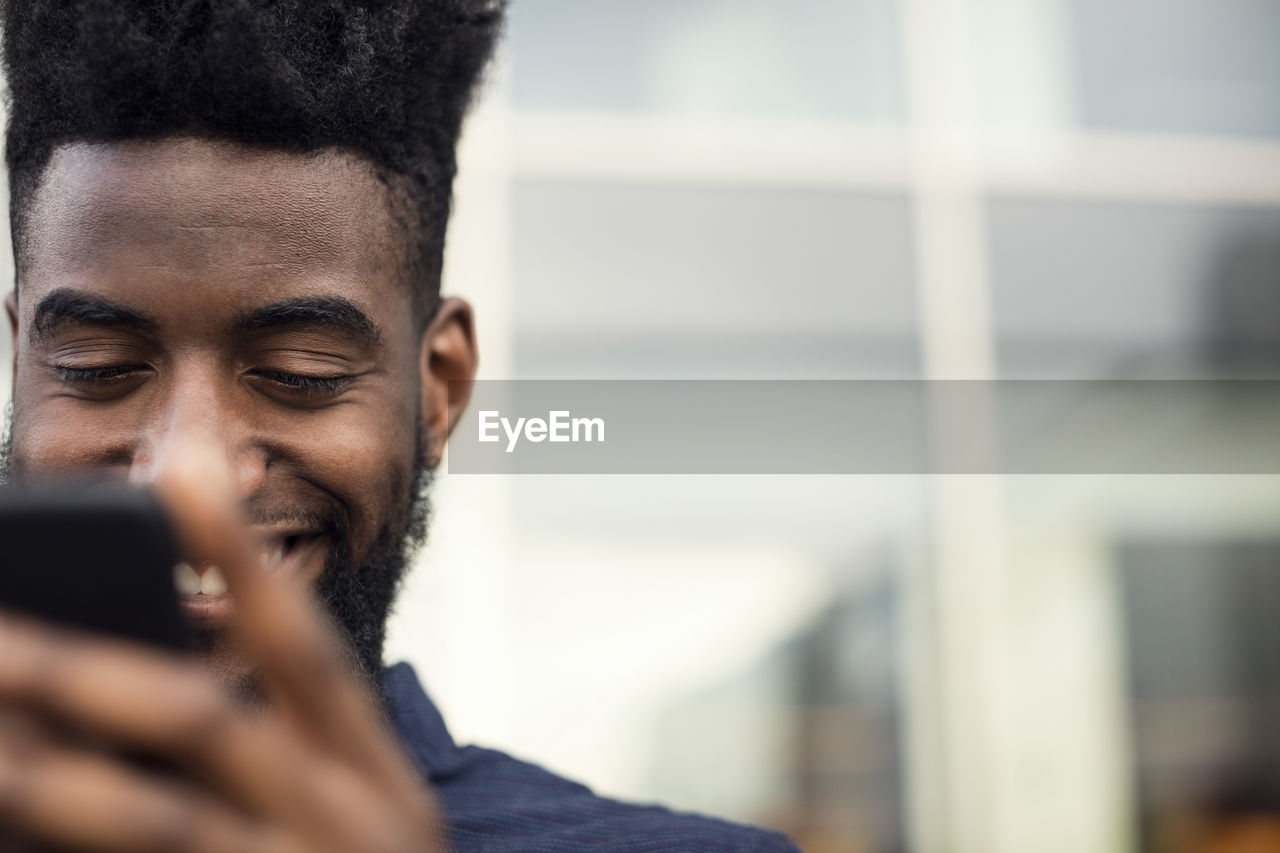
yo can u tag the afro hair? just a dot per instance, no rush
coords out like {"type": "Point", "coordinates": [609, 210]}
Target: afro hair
{"type": "Point", "coordinates": [389, 80]}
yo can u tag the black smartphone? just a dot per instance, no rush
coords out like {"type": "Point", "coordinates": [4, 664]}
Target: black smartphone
{"type": "Point", "coordinates": [92, 557]}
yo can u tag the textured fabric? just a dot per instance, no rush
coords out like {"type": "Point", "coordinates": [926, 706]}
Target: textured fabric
{"type": "Point", "coordinates": [494, 803]}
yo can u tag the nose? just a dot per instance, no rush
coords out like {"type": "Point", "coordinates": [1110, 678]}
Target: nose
{"type": "Point", "coordinates": [196, 411]}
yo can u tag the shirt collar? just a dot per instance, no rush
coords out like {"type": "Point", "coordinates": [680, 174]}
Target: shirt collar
{"type": "Point", "coordinates": [421, 728]}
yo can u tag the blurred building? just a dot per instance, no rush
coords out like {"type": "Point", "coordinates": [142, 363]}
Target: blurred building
{"type": "Point", "coordinates": [876, 189]}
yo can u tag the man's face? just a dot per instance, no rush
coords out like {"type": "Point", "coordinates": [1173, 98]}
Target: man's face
{"type": "Point", "coordinates": [255, 300]}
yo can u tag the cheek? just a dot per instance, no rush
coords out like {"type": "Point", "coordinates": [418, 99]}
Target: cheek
{"type": "Point", "coordinates": [367, 456]}
{"type": "Point", "coordinates": [52, 434]}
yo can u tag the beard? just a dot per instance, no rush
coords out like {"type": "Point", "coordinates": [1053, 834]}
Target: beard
{"type": "Point", "coordinates": [359, 596]}
{"type": "Point", "coordinates": [356, 594]}
{"type": "Point", "coordinates": [6, 445]}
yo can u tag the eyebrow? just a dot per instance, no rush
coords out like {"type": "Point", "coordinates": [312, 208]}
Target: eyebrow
{"type": "Point", "coordinates": [332, 313]}
{"type": "Point", "coordinates": [66, 306]}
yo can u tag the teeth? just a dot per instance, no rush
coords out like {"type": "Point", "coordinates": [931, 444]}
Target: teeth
{"type": "Point", "coordinates": [189, 582]}
{"type": "Point", "coordinates": [186, 580]}
{"type": "Point", "coordinates": [212, 582]}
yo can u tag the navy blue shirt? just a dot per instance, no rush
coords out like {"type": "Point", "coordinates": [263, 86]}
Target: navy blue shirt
{"type": "Point", "coordinates": [494, 803]}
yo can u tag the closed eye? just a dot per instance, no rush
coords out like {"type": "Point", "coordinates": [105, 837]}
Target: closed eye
{"type": "Point", "coordinates": [96, 375]}
{"type": "Point", "coordinates": [102, 384]}
{"type": "Point", "coordinates": [311, 387]}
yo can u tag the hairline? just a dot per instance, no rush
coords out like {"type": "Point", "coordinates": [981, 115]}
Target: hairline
{"type": "Point", "coordinates": [423, 284]}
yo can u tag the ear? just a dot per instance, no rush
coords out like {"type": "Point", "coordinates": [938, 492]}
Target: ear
{"type": "Point", "coordinates": [447, 363]}
{"type": "Point", "coordinates": [11, 308]}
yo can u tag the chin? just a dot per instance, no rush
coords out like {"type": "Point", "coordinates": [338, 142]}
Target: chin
{"type": "Point", "coordinates": [219, 654]}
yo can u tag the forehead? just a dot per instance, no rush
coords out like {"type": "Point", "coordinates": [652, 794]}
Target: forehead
{"type": "Point", "coordinates": [236, 220]}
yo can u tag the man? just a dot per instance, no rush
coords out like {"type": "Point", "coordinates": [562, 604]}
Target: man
{"type": "Point", "coordinates": [228, 219]}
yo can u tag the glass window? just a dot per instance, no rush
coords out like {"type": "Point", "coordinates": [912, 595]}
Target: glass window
{"type": "Point", "coordinates": [666, 281]}
{"type": "Point", "coordinates": [1183, 66]}
{"type": "Point", "coordinates": [814, 58]}
{"type": "Point", "coordinates": [1103, 289]}
{"type": "Point", "coordinates": [1203, 646]}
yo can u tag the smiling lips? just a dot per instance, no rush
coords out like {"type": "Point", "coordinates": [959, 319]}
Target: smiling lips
{"type": "Point", "coordinates": [201, 581]}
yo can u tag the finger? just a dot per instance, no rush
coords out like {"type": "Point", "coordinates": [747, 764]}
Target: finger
{"type": "Point", "coordinates": [139, 700]}
{"type": "Point", "coordinates": [133, 698]}
{"type": "Point", "coordinates": [21, 727]}
{"type": "Point", "coordinates": [301, 658]}
{"type": "Point", "coordinates": [84, 801]}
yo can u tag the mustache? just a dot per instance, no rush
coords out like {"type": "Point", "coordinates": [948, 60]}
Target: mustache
{"type": "Point", "coordinates": [329, 520]}
{"type": "Point", "coordinates": [309, 519]}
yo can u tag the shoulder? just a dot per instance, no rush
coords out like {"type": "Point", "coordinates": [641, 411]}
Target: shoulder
{"type": "Point", "coordinates": [496, 803]}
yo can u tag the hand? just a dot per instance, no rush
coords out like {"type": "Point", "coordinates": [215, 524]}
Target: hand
{"type": "Point", "coordinates": [318, 772]}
